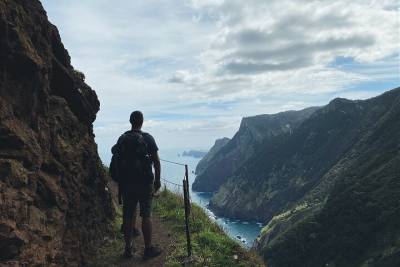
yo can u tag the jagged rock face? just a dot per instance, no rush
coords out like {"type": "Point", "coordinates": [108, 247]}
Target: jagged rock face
{"type": "Point", "coordinates": [252, 132]}
{"type": "Point", "coordinates": [53, 199]}
{"type": "Point", "coordinates": [289, 166]}
{"type": "Point", "coordinates": [331, 188]}
{"type": "Point", "coordinates": [205, 161]}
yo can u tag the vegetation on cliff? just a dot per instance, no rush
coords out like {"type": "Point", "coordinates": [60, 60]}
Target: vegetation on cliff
{"type": "Point", "coordinates": [231, 156]}
{"type": "Point", "coordinates": [211, 246]}
{"type": "Point", "coordinates": [329, 187]}
{"type": "Point", "coordinates": [355, 223]}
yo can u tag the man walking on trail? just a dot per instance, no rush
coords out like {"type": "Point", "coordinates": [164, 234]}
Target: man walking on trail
{"type": "Point", "coordinates": [138, 153]}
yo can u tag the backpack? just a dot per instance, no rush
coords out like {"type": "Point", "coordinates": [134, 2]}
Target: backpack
{"type": "Point", "coordinates": [131, 162]}
{"type": "Point", "coordinates": [113, 169]}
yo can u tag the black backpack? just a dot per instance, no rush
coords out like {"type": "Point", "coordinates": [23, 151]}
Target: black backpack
{"type": "Point", "coordinates": [131, 162]}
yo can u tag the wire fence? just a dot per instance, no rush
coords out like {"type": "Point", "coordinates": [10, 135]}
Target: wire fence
{"type": "Point", "coordinates": [173, 162]}
{"type": "Point", "coordinates": [169, 182]}
{"type": "Point", "coordinates": [186, 199]}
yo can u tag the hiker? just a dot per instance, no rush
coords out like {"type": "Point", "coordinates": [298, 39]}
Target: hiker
{"type": "Point", "coordinates": [134, 155]}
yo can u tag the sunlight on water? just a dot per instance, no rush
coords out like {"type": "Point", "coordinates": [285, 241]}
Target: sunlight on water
{"type": "Point", "coordinates": [245, 232]}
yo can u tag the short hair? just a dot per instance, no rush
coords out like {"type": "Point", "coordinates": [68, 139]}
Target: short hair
{"type": "Point", "coordinates": [136, 118]}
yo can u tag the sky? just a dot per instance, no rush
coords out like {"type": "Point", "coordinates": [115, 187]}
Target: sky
{"type": "Point", "coordinates": [196, 67]}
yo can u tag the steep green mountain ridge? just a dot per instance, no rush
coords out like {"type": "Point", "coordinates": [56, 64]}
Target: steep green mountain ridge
{"type": "Point", "coordinates": [330, 190]}
{"type": "Point", "coordinates": [357, 224]}
{"type": "Point", "coordinates": [252, 132]}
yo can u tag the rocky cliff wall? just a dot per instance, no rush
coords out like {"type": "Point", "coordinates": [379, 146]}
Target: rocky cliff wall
{"type": "Point", "coordinates": [351, 218]}
{"type": "Point", "coordinates": [53, 199]}
{"type": "Point", "coordinates": [205, 161]}
{"type": "Point", "coordinates": [252, 132]}
{"type": "Point", "coordinates": [290, 166]}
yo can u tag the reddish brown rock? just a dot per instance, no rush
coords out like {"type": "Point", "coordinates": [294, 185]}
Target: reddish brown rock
{"type": "Point", "coordinates": [53, 201]}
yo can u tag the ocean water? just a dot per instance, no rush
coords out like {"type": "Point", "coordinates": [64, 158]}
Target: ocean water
{"type": "Point", "coordinates": [244, 232]}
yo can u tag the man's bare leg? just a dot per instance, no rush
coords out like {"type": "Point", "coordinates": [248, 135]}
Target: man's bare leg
{"type": "Point", "coordinates": [134, 220]}
{"type": "Point", "coordinates": [150, 251]}
{"type": "Point", "coordinates": [127, 225]}
{"type": "Point", "coordinates": [147, 229]}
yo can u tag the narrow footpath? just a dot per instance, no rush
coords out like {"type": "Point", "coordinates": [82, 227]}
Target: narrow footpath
{"type": "Point", "coordinates": [111, 253]}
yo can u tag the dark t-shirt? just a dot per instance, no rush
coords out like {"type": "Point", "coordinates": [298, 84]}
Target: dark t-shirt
{"type": "Point", "coordinates": [151, 143]}
{"type": "Point", "coordinates": [152, 150]}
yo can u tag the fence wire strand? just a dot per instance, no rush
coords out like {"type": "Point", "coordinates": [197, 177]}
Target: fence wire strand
{"type": "Point", "coordinates": [173, 162]}
{"type": "Point", "coordinates": [170, 182]}
{"type": "Point", "coordinates": [167, 181]}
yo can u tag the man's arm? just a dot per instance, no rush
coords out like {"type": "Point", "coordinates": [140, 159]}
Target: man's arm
{"type": "Point", "coordinates": [119, 194]}
{"type": "Point", "coordinates": [157, 171]}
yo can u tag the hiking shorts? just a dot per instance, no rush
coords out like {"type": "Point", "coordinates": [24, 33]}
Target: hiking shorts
{"type": "Point", "coordinates": [130, 201]}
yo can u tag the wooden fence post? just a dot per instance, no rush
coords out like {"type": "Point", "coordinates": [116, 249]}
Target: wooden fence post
{"type": "Point", "coordinates": [187, 211]}
{"type": "Point", "coordinates": [187, 187]}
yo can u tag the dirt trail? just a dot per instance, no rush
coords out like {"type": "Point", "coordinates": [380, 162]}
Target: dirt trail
{"type": "Point", "coordinates": [161, 237]}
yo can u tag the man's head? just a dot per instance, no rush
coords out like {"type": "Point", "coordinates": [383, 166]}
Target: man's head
{"type": "Point", "coordinates": [136, 119]}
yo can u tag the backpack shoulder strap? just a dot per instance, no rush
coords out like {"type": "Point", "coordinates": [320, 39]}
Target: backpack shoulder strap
{"type": "Point", "coordinates": [117, 147]}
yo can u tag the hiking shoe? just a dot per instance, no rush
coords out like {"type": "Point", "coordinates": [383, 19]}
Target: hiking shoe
{"type": "Point", "coordinates": [151, 252]}
{"type": "Point", "coordinates": [128, 253]}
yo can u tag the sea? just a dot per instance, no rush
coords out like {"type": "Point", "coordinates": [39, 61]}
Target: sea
{"type": "Point", "coordinates": [244, 232]}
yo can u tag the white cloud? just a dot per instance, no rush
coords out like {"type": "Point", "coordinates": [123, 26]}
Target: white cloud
{"type": "Point", "coordinates": [196, 67]}
{"type": "Point", "coordinates": [257, 38]}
